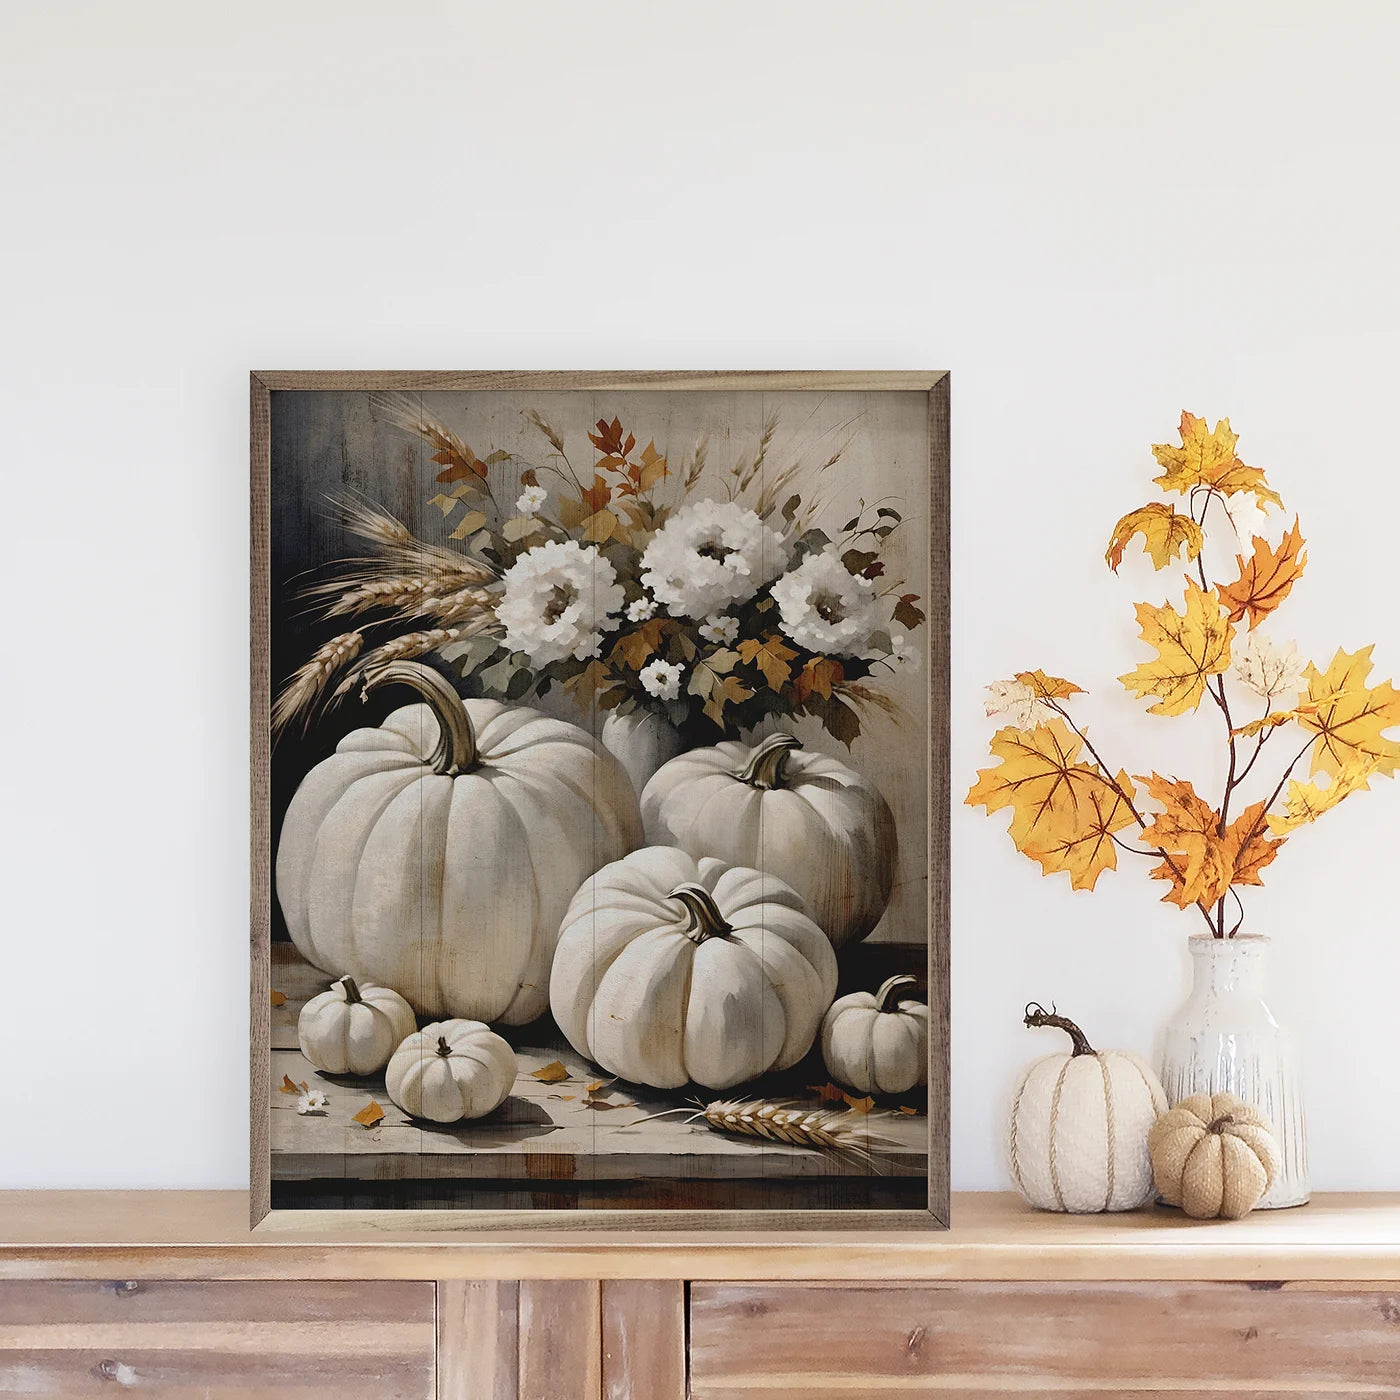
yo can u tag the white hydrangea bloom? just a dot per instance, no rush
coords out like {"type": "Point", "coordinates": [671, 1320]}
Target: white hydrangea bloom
{"type": "Point", "coordinates": [313, 1101]}
{"type": "Point", "coordinates": [640, 610]}
{"type": "Point", "coordinates": [709, 555]}
{"type": "Point", "coordinates": [560, 598]}
{"type": "Point", "coordinates": [720, 629]}
{"type": "Point", "coordinates": [1270, 668]}
{"type": "Point", "coordinates": [826, 608]}
{"type": "Point", "coordinates": [662, 679]}
{"type": "Point", "coordinates": [531, 499]}
{"type": "Point", "coordinates": [1017, 702]}
{"type": "Point", "coordinates": [905, 653]}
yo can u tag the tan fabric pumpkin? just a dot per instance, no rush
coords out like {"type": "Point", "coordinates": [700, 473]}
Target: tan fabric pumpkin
{"type": "Point", "coordinates": [1214, 1156]}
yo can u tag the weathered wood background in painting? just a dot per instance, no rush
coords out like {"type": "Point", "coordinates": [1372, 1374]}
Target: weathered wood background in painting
{"type": "Point", "coordinates": [555, 1145]}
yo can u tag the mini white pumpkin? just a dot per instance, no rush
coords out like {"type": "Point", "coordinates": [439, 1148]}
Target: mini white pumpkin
{"type": "Point", "coordinates": [877, 1042]}
{"type": "Point", "coordinates": [353, 1029]}
{"type": "Point", "coordinates": [451, 1070]}
{"type": "Point", "coordinates": [436, 854]}
{"type": "Point", "coordinates": [804, 817]}
{"type": "Point", "coordinates": [1079, 1126]}
{"type": "Point", "coordinates": [671, 970]}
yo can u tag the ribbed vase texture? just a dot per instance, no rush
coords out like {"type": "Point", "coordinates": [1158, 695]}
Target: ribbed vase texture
{"type": "Point", "coordinates": [1226, 1040]}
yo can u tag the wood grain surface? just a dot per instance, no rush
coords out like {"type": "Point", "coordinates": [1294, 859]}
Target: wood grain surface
{"type": "Point", "coordinates": [561, 1356]}
{"type": "Point", "coordinates": [332, 1339]}
{"type": "Point", "coordinates": [478, 1339]}
{"type": "Point", "coordinates": [205, 1234]}
{"type": "Point", "coordinates": [644, 1339]}
{"type": "Point", "coordinates": [996, 1339]}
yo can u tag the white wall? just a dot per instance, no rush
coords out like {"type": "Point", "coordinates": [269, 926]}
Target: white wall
{"type": "Point", "coordinates": [1094, 213]}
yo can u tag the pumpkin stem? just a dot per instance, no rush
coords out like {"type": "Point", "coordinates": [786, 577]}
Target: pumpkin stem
{"type": "Point", "coordinates": [887, 998]}
{"type": "Point", "coordinates": [456, 746]}
{"type": "Point", "coordinates": [1037, 1015]}
{"type": "Point", "coordinates": [443, 1048]}
{"type": "Point", "coordinates": [705, 919]}
{"type": "Point", "coordinates": [350, 987]}
{"type": "Point", "coordinates": [1221, 1123]}
{"type": "Point", "coordinates": [766, 765]}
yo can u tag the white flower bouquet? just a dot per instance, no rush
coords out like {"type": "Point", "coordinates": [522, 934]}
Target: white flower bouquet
{"type": "Point", "coordinates": [708, 596]}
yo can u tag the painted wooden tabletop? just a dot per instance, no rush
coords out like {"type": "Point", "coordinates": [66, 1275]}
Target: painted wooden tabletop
{"type": "Point", "coordinates": [546, 1128]}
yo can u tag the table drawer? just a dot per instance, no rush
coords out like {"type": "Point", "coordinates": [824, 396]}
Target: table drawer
{"type": "Point", "coordinates": [294, 1339]}
{"type": "Point", "coordinates": [1192, 1341]}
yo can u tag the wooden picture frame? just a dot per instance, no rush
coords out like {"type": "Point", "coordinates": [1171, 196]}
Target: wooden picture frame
{"type": "Point", "coordinates": [587, 1213]}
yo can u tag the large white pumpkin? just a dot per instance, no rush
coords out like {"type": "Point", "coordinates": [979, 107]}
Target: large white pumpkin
{"type": "Point", "coordinates": [804, 817]}
{"type": "Point", "coordinates": [353, 1029]}
{"type": "Point", "coordinates": [451, 1070]}
{"type": "Point", "coordinates": [672, 969]}
{"type": "Point", "coordinates": [1079, 1126]}
{"type": "Point", "coordinates": [436, 854]}
{"type": "Point", "coordinates": [877, 1042]}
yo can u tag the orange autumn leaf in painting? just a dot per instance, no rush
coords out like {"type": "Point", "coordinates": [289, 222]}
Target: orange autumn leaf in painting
{"type": "Point", "coordinates": [1191, 646]}
{"type": "Point", "coordinates": [818, 677]}
{"type": "Point", "coordinates": [1064, 811]}
{"type": "Point", "coordinates": [1265, 578]}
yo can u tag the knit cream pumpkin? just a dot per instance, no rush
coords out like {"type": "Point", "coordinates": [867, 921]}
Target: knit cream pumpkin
{"type": "Point", "coordinates": [1079, 1125]}
{"type": "Point", "coordinates": [1214, 1156]}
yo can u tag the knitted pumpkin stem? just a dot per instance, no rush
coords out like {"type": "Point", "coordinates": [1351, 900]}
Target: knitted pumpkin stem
{"type": "Point", "coordinates": [456, 746]}
{"type": "Point", "coordinates": [443, 1048]}
{"type": "Point", "coordinates": [1037, 1015]}
{"type": "Point", "coordinates": [351, 988]}
{"type": "Point", "coordinates": [1221, 1123]}
{"type": "Point", "coordinates": [765, 768]}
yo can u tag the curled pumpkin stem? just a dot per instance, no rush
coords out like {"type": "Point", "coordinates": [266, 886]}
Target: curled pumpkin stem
{"type": "Point", "coordinates": [1036, 1015]}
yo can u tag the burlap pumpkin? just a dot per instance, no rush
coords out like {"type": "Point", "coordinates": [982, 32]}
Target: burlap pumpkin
{"type": "Point", "coordinates": [1214, 1156]}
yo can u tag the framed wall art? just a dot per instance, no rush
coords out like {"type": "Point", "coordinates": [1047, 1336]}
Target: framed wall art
{"type": "Point", "coordinates": [600, 798]}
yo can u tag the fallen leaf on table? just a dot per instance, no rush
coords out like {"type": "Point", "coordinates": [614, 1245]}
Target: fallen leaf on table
{"type": "Point", "coordinates": [909, 1110]}
{"type": "Point", "coordinates": [604, 1103]}
{"type": "Point", "coordinates": [278, 998]}
{"type": "Point", "coordinates": [859, 1105]}
{"type": "Point", "coordinates": [563, 1098]}
{"type": "Point", "coordinates": [289, 1087]}
{"type": "Point", "coordinates": [371, 1115]}
{"type": "Point", "coordinates": [551, 1073]}
{"type": "Point", "coordinates": [598, 1086]}
{"type": "Point", "coordinates": [827, 1093]}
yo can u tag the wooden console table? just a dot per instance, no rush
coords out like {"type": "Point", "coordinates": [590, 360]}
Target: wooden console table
{"type": "Point", "coordinates": [168, 1294]}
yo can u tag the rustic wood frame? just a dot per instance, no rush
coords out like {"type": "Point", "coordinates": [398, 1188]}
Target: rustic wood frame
{"type": "Point", "coordinates": [935, 384]}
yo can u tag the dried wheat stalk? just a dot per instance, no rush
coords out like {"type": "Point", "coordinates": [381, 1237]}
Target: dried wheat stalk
{"type": "Point", "coordinates": [697, 461]}
{"type": "Point", "coordinates": [833, 1130]}
{"type": "Point", "coordinates": [401, 552]}
{"type": "Point", "coordinates": [407, 648]}
{"type": "Point", "coordinates": [309, 681]}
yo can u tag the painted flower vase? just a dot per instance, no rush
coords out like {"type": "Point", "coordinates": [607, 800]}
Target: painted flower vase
{"type": "Point", "coordinates": [641, 741]}
{"type": "Point", "coordinates": [1225, 1039]}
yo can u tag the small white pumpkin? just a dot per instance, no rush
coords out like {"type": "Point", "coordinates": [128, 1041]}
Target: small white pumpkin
{"type": "Point", "coordinates": [671, 970]}
{"type": "Point", "coordinates": [353, 1029]}
{"type": "Point", "coordinates": [437, 853]}
{"type": "Point", "coordinates": [451, 1070]}
{"type": "Point", "coordinates": [804, 817]}
{"type": "Point", "coordinates": [877, 1042]}
{"type": "Point", "coordinates": [1079, 1126]}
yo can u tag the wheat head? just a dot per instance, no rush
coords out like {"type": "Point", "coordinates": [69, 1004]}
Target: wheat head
{"type": "Point", "coordinates": [309, 680]}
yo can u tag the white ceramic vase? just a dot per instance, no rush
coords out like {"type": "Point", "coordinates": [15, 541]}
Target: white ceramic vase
{"type": "Point", "coordinates": [1225, 1039]}
{"type": "Point", "coordinates": [641, 741]}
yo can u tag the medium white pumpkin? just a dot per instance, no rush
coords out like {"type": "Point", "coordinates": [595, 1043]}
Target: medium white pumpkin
{"type": "Point", "coordinates": [451, 1070]}
{"type": "Point", "coordinates": [436, 854]}
{"type": "Point", "coordinates": [877, 1042]}
{"type": "Point", "coordinates": [803, 817]}
{"type": "Point", "coordinates": [1079, 1126]}
{"type": "Point", "coordinates": [353, 1029]}
{"type": "Point", "coordinates": [672, 969]}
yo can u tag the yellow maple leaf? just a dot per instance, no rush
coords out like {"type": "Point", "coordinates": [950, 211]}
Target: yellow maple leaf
{"type": "Point", "coordinates": [711, 682]}
{"type": "Point", "coordinates": [633, 648]}
{"type": "Point", "coordinates": [1191, 645]}
{"type": "Point", "coordinates": [1060, 815]}
{"type": "Point", "coordinates": [1188, 830]}
{"type": "Point", "coordinates": [1247, 846]}
{"type": "Point", "coordinates": [1165, 534]}
{"type": "Point", "coordinates": [819, 676]}
{"type": "Point", "coordinates": [1208, 458]}
{"type": "Point", "coordinates": [1049, 687]}
{"type": "Point", "coordinates": [1085, 849]}
{"type": "Point", "coordinates": [771, 655]}
{"type": "Point", "coordinates": [1306, 802]}
{"type": "Point", "coordinates": [1271, 721]}
{"type": "Point", "coordinates": [1351, 717]}
{"type": "Point", "coordinates": [1265, 577]}
{"type": "Point", "coordinates": [551, 1073]}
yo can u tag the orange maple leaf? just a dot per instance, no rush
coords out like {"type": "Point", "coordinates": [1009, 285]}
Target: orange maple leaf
{"type": "Point", "coordinates": [1265, 577]}
{"type": "Point", "coordinates": [818, 677]}
{"type": "Point", "coordinates": [633, 648]}
{"type": "Point", "coordinates": [1248, 845]}
{"type": "Point", "coordinates": [1049, 687]}
{"type": "Point", "coordinates": [1189, 832]}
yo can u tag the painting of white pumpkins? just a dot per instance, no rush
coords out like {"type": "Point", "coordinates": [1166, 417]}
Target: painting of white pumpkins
{"type": "Point", "coordinates": [601, 789]}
